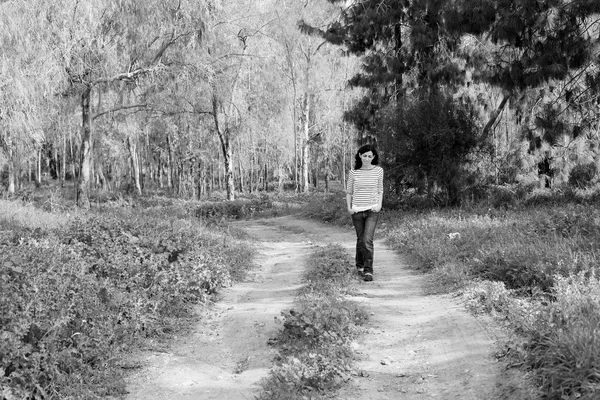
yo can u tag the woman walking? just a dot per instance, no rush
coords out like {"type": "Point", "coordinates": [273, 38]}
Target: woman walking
{"type": "Point", "coordinates": [364, 195]}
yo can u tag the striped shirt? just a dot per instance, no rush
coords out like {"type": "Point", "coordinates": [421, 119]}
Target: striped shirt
{"type": "Point", "coordinates": [365, 186]}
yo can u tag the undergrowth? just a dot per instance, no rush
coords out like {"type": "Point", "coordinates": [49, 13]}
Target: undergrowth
{"type": "Point", "coordinates": [315, 358]}
{"type": "Point", "coordinates": [530, 258]}
{"type": "Point", "coordinates": [534, 269]}
{"type": "Point", "coordinates": [76, 296]}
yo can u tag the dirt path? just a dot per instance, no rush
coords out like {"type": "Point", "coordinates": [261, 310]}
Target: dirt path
{"type": "Point", "coordinates": [417, 347]}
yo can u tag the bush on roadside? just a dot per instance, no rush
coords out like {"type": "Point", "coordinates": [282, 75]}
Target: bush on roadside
{"type": "Point", "coordinates": [328, 207]}
{"type": "Point", "coordinates": [582, 175]}
{"type": "Point", "coordinates": [560, 337]}
{"type": "Point", "coordinates": [73, 300]}
{"type": "Point", "coordinates": [236, 209]}
{"type": "Point", "coordinates": [315, 358]}
{"type": "Point", "coordinates": [565, 343]}
{"type": "Point", "coordinates": [535, 268]}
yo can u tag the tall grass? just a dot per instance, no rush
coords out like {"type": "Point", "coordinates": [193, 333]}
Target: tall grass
{"type": "Point", "coordinates": [535, 268]}
{"type": "Point", "coordinates": [530, 258]}
{"type": "Point", "coordinates": [77, 294]}
{"type": "Point", "coordinates": [315, 358]}
{"type": "Point", "coordinates": [22, 214]}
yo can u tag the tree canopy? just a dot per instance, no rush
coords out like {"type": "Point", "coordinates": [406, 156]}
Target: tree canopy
{"type": "Point", "coordinates": [539, 57]}
{"type": "Point", "coordinates": [198, 96]}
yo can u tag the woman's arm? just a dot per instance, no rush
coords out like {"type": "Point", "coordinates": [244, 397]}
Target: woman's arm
{"type": "Point", "coordinates": [349, 191]}
{"type": "Point", "coordinates": [377, 208]}
{"type": "Point", "coordinates": [349, 203]}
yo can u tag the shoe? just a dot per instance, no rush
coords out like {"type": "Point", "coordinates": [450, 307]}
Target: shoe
{"type": "Point", "coordinates": [361, 272]}
{"type": "Point", "coordinates": [368, 277]}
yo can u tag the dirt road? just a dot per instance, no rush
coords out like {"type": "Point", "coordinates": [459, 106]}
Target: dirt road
{"type": "Point", "coordinates": [417, 347]}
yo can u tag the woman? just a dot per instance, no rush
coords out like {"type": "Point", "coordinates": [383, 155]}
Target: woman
{"type": "Point", "coordinates": [364, 194]}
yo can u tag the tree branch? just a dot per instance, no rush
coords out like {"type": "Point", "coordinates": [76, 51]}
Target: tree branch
{"type": "Point", "coordinates": [120, 108]}
{"type": "Point", "coordinates": [488, 127]}
{"type": "Point", "coordinates": [125, 76]}
{"type": "Point", "coordinates": [163, 48]}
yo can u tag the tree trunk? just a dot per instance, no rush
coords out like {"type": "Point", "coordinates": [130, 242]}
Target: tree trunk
{"type": "Point", "coordinates": [160, 172]}
{"type": "Point", "coordinates": [224, 137]}
{"type": "Point", "coordinates": [228, 162]}
{"type": "Point", "coordinates": [104, 183]}
{"type": "Point", "coordinates": [305, 143]}
{"type": "Point", "coordinates": [63, 162]}
{"type": "Point", "coordinates": [83, 200]}
{"type": "Point", "coordinates": [169, 163]}
{"type": "Point", "coordinates": [266, 168]}
{"type": "Point", "coordinates": [281, 172]}
{"type": "Point", "coordinates": [73, 158]}
{"type": "Point", "coordinates": [241, 175]}
{"type": "Point", "coordinates": [55, 171]}
{"type": "Point", "coordinates": [11, 172]}
{"type": "Point", "coordinates": [135, 164]}
{"type": "Point", "coordinates": [38, 178]}
{"type": "Point", "coordinates": [266, 177]}
{"type": "Point", "coordinates": [327, 170]}
{"type": "Point", "coordinates": [493, 117]}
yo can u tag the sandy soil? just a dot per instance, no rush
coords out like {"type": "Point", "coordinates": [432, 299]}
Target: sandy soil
{"type": "Point", "coordinates": [418, 346]}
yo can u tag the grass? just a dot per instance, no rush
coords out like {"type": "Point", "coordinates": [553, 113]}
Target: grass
{"type": "Point", "coordinates": [532, 268]}
{"type": "Point", "coordinates": [530, 260]}
{"type": "Point", "coordinates": [79, 291]}
{"type": "Point", "coordinates": [20, 214]}
{"type": "Point", "coordinates": [315, 358]}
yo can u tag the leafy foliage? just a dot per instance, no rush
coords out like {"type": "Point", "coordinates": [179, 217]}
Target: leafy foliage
{"type": "Point", "coordinates": [533, 267]}
{"type": "Point", "coordinates": [567, 351]}
{"type": "Point", "coordinates": [330, 207]}
{"type": "Point", "coordinates": [73, 300]}
{"type": "Point", "coordinates": [315, 358]}
{"type": "Point", "coordinates": [428, 145]}
{"type": "Point", "coordinates": [236, 209]}
{"type": "Point", "coordinates": [582, 175]}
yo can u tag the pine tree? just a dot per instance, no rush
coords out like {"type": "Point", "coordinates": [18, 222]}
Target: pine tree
{"type": "Point", "coordinates": [542, 55]}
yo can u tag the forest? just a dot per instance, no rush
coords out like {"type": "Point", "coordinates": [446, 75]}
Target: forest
{"type": "Point", "coordinates": [186, 96]}
{"type": "Point", "coordinates": [193, 97]}
{"type": "Point", "coordinates": [133, 132]}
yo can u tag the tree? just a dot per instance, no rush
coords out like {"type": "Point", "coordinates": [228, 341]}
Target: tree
{"type": "Point", "coordinates": [431, 139]}
{"type": "Point", "coordinates": [117, 44]}
{"type": "Point", "coordinates": [26, 84]}
{"type": "Point", "coordinates": [305, 56]}
{"type": "Point", "coordinates": [403, 48]}
{"type": "Point", "coordinates": [452, 47]}
{"type": "Point", "coordinates": [534, 42]}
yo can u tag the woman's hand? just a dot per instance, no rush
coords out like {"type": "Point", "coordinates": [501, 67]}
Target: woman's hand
{"type": "Point", "coordinates": [377, 208]}
{"type": "Point", "coordinates": [351, 210]}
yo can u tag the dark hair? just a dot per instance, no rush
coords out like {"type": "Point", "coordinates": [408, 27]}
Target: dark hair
{"type": "Point", "coordinates": [365, 149]}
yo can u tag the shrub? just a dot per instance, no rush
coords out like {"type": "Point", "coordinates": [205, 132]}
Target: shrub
{"type": "Point", "coordinates": [74, 299]}
{"type": "Point", "coordinates": [565, 344]}
{"type": "Point", "coordinates": [501, 196]}
{"type": "Point", "coordinates": [515, 273]}
{"type": "Point", "coordinates": [534, 268]}
{"type": "Point", "coordinates": [427, 142]}
{"type": "Point", "coordinates": [315, 357]}
{"type": "Point", "coordinates": [582, 175]}
{"type": "Point", "coordinates": [330, 207]}
{"type": "Point", "coordinates": [236, 209]}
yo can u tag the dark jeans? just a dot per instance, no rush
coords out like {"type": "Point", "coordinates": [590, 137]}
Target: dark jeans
{"type": "Point", "coordinates": [364, 224]}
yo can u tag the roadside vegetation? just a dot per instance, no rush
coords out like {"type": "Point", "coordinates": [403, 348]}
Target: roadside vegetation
{"type": "Point", "coordinates": [314, 354]}
{"type": "Point", "coordinates": [211, 100]}
{"type": "Point", "coordinates": [80, 291]}
{"type": "Point", "coordinates": [530, 259]}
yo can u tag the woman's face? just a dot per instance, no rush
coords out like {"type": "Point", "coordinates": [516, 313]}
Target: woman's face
{"type": "Point", "coordinates": [366, 158]}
